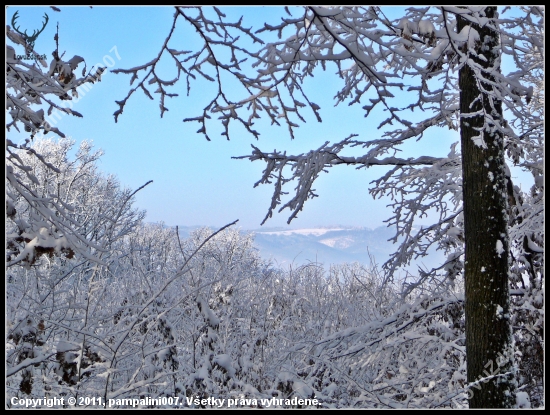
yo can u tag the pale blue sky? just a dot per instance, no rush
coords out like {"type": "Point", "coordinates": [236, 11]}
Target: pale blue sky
{"type": "Point", "coordinates": [195, 181]}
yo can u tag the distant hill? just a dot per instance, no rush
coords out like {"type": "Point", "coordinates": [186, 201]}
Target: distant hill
{"type": "Point", "coordinates": [326, 245]}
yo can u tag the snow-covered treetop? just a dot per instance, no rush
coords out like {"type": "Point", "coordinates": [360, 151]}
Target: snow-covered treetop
{"type": "Point", "coordinates": [35, 90]}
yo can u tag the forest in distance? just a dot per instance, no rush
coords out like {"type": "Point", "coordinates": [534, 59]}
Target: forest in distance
{"type": "Point", "coordinates": [105, 309]}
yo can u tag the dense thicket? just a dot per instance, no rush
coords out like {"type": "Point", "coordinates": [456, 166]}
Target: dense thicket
{"type": "Point", "coordinates": [100, 304]}
{"type": "Point", "coordinates": [183, 318]}
{"type": "Point", "coordinates": [471, 69]}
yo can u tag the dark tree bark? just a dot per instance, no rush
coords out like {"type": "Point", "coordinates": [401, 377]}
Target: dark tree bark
{"type": "Point", "coordinates": [489, 346]}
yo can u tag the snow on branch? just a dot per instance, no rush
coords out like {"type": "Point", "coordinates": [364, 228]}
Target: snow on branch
{"type": "Point", "coordinates": [307, 167]}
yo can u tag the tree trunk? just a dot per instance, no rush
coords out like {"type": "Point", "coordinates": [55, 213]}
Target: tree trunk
{"type": "Point", "coordinates": [489, 346]}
